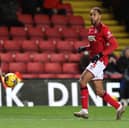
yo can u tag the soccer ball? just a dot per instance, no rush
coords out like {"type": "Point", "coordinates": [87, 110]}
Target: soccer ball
{"type": "Point", "coordinates": [11, 79]}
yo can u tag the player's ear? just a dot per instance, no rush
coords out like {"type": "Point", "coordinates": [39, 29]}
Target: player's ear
{"type": "Point", "coordinates": [100, 16]}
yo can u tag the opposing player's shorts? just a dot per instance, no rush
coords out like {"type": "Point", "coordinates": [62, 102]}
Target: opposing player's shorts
{"type": "Point", "coordinates": [96, 69]}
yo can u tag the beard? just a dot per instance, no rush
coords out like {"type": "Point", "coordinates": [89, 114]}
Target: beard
{"type": "Point", "coordinates": [93, 22]}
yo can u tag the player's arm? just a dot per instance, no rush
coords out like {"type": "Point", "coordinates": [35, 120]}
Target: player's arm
{"type": "Point", "coordinates": [112, 42]}
{"type": "Point", "coordinates": [112, 46]}
{"type": "Point", "coordinates": [83, 48]}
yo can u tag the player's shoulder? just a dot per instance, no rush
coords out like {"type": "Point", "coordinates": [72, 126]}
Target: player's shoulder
{"type": "Point", "coordinates": [91, 29]}
{"type": "Point", "coordinates": [106, 31]}
{"type": "Point", "coordinates": [105, 27]}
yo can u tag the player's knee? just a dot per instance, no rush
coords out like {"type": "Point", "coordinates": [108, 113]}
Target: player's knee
{"type": "Point", "coordinates": [82, 83]}
{"type": "Point", "coordinates": [100, 92]}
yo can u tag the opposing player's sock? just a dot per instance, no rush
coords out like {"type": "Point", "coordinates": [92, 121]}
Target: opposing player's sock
{"type": "Point", "coordinates": [108, 99]}
{"type": "Point", "coordinates": [84, 97]}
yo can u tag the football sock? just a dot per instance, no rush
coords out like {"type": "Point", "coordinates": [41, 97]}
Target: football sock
{"type": "Point", "coordinates": [84, 97]}
{"type": "Point", "coordinates": [108, 99]}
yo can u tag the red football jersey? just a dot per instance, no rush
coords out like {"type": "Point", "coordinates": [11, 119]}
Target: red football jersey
{"type": "Point", "coordinates": [101, 40]}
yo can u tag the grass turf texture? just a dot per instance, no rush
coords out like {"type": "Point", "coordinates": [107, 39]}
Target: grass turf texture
{"type": "Point", "coordinates": [60, 117]}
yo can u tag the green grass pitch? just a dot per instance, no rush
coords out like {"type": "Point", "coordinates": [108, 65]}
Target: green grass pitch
{"type": "Point", "coordinates": [60, 117]}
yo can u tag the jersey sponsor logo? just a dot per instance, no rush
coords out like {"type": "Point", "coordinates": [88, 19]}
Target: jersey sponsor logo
{"type": "Point", "coordinates": [91, 38]}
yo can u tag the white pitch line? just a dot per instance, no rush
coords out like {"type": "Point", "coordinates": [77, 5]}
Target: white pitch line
{"type": "Point", "coordinates": [65, 119]}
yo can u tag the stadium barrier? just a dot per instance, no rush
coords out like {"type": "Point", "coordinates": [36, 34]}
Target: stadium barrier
{"type": "Point", "coordinates": [52, 92]}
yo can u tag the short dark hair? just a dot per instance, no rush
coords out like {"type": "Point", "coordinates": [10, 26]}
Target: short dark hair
{"type": "Point", "coordinates": [98, 9]}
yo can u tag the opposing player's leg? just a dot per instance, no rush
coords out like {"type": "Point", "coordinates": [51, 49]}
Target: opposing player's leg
{"type": "Point", "coordinates": [85, 77]}
{"type": "Point", "coordinates": [124, 92]}
{"type": "Point", "coordinates": [108, 99]}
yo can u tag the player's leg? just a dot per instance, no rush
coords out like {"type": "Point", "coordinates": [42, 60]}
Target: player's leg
{"type": "Point", "coordinates": [127, 92]}
{"type": "Point", "coordinates": [124, 92]}
{"type": "Point", "coordinates": [92, 70]}
{"type": "Point", "coordinates": [85, 77]}
{"type": "Point", "coordinates": [108, 99]}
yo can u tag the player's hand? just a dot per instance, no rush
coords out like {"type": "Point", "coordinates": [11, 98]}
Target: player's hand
{"type": "Point", "coordinates": [81, 49]}
{"type": "Point", "coordinates": [96, 58]}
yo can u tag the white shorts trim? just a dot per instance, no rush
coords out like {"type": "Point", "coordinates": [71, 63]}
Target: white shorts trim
{"type": "Point", "coordinates": [96, 69]}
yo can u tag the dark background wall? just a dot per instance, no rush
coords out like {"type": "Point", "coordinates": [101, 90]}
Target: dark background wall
{"type": "Point", "coordinates": [120, 8]}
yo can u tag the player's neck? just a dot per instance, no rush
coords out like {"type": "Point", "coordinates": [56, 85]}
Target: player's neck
{"type": "Point", "coordinates": [98, 25]}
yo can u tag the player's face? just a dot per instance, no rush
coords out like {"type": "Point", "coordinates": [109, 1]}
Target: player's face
{"type": "Point", "coordinates": [95, 17]}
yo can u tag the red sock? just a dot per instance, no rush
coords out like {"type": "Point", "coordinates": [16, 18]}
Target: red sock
{"type": "Point", "coordinates": [84, 97]}
{"type": "Point", "coordinates": [108, 99]}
